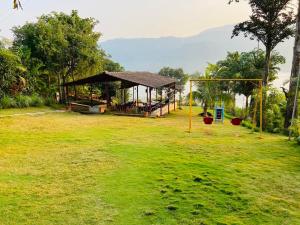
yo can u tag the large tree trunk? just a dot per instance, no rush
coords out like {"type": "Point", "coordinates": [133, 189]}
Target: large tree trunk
{"type": "Point", "coordinates": [265, 84]}
{"type": "Point", "coordinates": [64, 94]}
{"type": "Point", "coordinates": [267, 66]}
{"type": "Point", "coordinates": [294, 75]}
{"type": "Point", "coordinates": [60, 89]}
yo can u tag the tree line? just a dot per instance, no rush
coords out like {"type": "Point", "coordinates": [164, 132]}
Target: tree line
{"type": "Point", "coordinates": [44, 55]}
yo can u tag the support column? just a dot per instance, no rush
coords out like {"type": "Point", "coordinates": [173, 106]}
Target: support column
{"type": "Point", "coordinates": [107, 94]}
{"type": "Point", "coordinates": [137, 95]}
{"type": "Point", "coordinates": [132, 94]}
{"type": "Point", "coordinates": [147, 90]}
{"type": "Point", "coordinates": [161, 105]}
{"type": "Point", "coordinates": [91, 94]}
{"type": "Point", "coordinates": [168, 95]}
{"type": "Point", "coordinates": [150, 100]}
{"type": "Point", "coordinates": [174, 98]}
{"type": "Point", "coordinates": [124, 97]}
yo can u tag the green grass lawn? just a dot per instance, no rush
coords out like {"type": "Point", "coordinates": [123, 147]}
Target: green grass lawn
{"type": "Point", "coordinates": [69, 168]}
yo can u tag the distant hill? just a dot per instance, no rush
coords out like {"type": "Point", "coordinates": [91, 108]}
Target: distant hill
{"type": "Point", "coordinates": [191, 53]}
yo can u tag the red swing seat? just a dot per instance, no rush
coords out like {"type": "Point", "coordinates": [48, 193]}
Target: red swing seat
{"type": "Point", "coordinates": [236, 121]}
{"type": "Point", "coordinates": [208, 120]}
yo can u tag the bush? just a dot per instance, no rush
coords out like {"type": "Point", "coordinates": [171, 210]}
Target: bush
{"type": "Point", "coordinates": [49, 101]}
{"type": "Point", "coordinates": [298, 140]}
{"type": "Point", "coordinates": [23, 101]}
{"type": "Point", "coordinates": [36, 101]}
{"type": "Point", "coordinates": [295, 128]}
{"type": "Point", "coordinates": [7, 102]}
{"type": "Point", "coordinates": [276, 130]}
{"type": "Point", "coordinates": [247, 124]}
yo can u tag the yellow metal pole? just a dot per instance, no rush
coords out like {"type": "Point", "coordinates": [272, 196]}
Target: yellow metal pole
{"type": "Point", "coordinates": [191, 103]}
{"type": "Point", "coordinates": [254, 123]}
{"type": "Point", "coordinates": [261, 107]}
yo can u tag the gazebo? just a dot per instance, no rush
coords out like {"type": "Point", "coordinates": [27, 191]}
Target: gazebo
{"type": "Point", "coordinates": [153, 106]}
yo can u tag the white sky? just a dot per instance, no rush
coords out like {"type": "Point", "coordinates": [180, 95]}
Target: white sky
{"type": "Point", "coordinates": [133, 18]}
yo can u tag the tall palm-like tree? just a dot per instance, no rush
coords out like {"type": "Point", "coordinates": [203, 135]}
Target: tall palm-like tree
{"type": "Point", "coordinates": [292, 101]}
{"type": "Point", "coordinates": [17, 4]}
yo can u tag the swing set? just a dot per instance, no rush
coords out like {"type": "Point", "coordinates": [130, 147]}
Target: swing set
{"type": "Point", "coordinates": [219, 111]}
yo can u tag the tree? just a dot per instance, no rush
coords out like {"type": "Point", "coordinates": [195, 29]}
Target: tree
{"type": "Point", "coordinates": [65, 45]}
{"type": "Point", "coordinates": [11, 71]}
{"type": "Point", "coordinates": [271, 22]}
{"type": "Point", "coordinates": [292, 98]}
{"type": "Point", "coordinates": [180, 76]}
{"type": "Point", "coordinates": [248, 65]}
{"type": "Point", "coordinates": [17, 4]}
{"type": "Point", "coordinates": [207, 93]}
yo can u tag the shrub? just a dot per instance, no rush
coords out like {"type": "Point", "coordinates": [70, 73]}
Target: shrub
{"type": "Point", "coordinates": [295, 128]}
{"type": "Point", "coordinates": [49, 101]}
{"type": "Point", "coordinates": [23, 101]}
{"type": "Point", "coordinates": [247, 124]}
{"type": "Point", "coordinates": [36, 101]}
{"type": "Point", "coordinates": [298, 140]}
{"type": "Point", "coordinates": [7, 102]}
{"type": "Point", "coordinates": [276, 130]}
{"type": "Point", "coordinates": [256, 129]}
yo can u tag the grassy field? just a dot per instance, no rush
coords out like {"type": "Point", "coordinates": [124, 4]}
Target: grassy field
{"type": "Point", "coordinates": [69, 168]}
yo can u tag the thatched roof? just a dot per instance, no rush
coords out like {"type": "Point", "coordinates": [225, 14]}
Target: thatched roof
{"type": "Point", "coordinates": [128, 79]}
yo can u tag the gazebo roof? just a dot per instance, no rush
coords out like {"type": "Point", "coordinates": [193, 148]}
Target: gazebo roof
{"type": "Point", "coordinates": [128, 79]}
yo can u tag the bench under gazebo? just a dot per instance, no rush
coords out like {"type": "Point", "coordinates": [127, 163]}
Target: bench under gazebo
{"type": "Point", "coordinates": [160, 94]}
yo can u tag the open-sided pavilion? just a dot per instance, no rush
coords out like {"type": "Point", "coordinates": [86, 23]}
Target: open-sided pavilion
{"type": "Point", "coordinates": [153, 106]}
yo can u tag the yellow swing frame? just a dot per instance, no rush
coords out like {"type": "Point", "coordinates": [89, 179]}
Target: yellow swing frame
{"type": "Point", "coordinates": [219, 80]}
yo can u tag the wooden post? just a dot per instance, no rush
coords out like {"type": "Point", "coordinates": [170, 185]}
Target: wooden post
{"type": "Point", "coordinates": [132, 94]}
{"type": "Point", "coordinates": [124, 97]}
{"type": "Point", "coordinates": [174, 97]}
{"type": "Point", "coordinates": [147, 90]}
{"type": "Point", "coordinates": [168, 95]}
{"type": "Point", "coordinates": [150, 101]}
{"type": "Point", "coordinates": [191, 102]}
{"type": "Point", "coordinates": [91, 94]}
{"type": "Point", "coordinates": [156, 98]}
{"type": "Point", "coordinates": [161, 105]}
{"type": "Point", "coordinates": [137, 95]}
{"type": "Point", "coordinates": [107, 94]}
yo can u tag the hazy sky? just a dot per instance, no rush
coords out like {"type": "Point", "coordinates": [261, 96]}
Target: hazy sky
{"type": "Point", "coordinates": [133, 18]}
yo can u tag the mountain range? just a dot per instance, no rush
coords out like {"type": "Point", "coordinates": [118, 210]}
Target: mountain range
{"type": "Point", "coordinates": [190, 53]}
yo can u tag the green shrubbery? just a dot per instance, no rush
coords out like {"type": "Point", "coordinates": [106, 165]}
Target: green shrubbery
{"type": "Point", "coordinates": [7, 102]}
{"type": "Point", "coordinates": [295, 130]}
{"type": "Point", "coordinates": [249, 125]}
{"type": "Point", "coordinates": [22, 101]}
